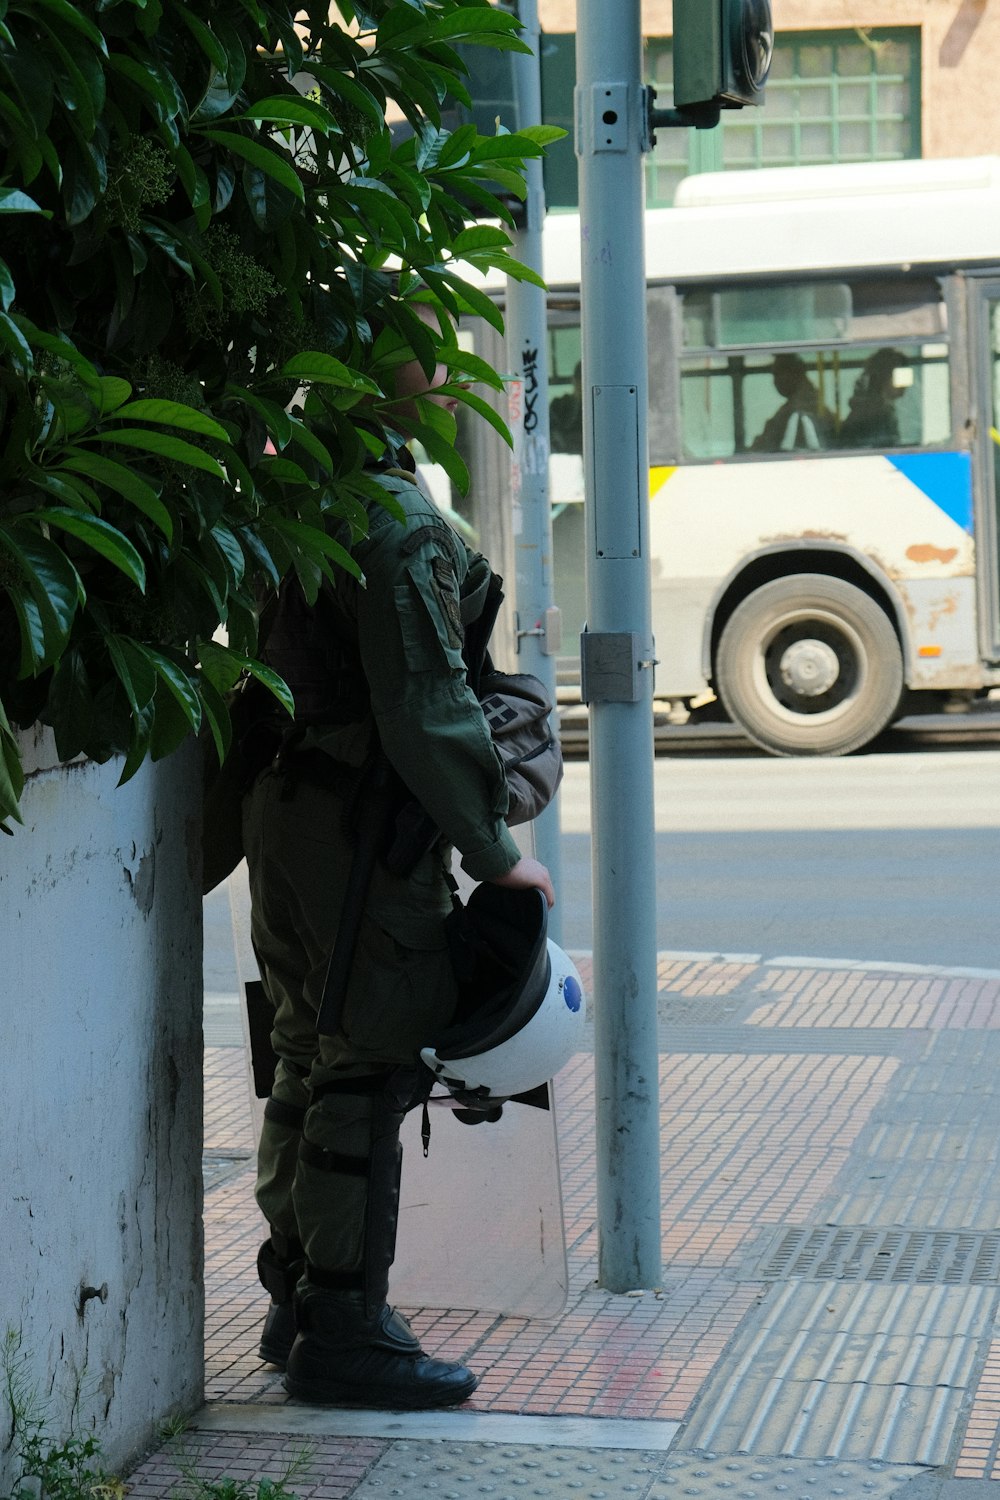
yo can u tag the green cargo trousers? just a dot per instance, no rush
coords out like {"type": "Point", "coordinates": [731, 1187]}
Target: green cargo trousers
{"type": "Point", "coordinates": [401, 992]}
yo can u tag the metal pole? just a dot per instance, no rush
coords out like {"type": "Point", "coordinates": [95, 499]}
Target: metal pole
{"type": "Point", "coordinates": [537, 616]}
{"type": "Point", "coordinates": [617, 646]}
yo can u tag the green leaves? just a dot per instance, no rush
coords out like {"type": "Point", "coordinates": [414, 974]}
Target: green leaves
{"type": "Point", "coordinates": [160, 443]}
{"type": "Point", "coordinates": [188, 411]}
{"type": "Point", "coordinates": [291, 109]}
{"type": "Point", "coordinates": [13, 201]}
{"type": "Point", "coordinates": [271, 163]}
{"type": "Point", "coordinates": [323, 369]}
{"type": "Point", "coordinates": [45, 591]}
{"type": "Point", "coordinates": [98, 535]}
{"type": "Point", "coordinates": [492, 28]}
{"type": "Point", "coordinates": [124, 481]}
{"type": "Point", "coordinates": [175, 414]}
{"type": "Point", "coordinates": [223, 668]}
{"type": "Point", "coordinates": [11, 774]}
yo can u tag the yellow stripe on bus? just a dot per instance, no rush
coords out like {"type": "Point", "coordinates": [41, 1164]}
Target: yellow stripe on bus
{"type": "Point", "coordinates": [658, 476]}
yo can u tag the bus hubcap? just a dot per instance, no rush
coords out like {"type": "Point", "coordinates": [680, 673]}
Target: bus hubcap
{"type": "Point", "coordinates": [809, 668]}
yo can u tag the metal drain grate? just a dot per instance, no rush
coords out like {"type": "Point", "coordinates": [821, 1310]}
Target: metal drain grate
{"type": "Point", "coordinates": [917, 1257]}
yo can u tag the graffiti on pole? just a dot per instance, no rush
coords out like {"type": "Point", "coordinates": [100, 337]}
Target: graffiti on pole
{"type": "Point", "coordinates": [527, 425]}
{"type": "Point", "coordinates": [529, 364]}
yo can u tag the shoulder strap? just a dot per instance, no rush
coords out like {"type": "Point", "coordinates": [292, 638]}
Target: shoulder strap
{"type": "Point", "coordinates": [478, 632]}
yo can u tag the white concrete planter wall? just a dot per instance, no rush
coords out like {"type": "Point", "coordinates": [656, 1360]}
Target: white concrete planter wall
{"type": "Point", "coordinates": [101, 1097]}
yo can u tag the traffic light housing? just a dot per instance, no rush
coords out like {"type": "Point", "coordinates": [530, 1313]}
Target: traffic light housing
{"type": "Point", "coordinates": [722, 52]}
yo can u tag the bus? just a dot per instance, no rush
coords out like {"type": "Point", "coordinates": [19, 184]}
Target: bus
{"type": "Point", "coordinates": [824, 406]}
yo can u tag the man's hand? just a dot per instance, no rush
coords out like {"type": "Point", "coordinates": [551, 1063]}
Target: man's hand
{"type": "Point", "coordinates": [528, 873]}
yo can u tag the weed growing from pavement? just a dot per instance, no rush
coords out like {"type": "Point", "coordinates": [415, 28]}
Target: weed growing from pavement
{"type": "Point", "coordinates": [70, 1470]}
{"type": "Point", "coordinates": [66, 1470]}
{"type": "Point", "coordinates": [173, 1427]}
{"type": "Point", "coordinates": [239, 1489]}
{"type": "Point", "coordinates": [195, 1488]}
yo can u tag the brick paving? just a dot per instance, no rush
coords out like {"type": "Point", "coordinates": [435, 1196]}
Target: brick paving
{"type": "Point", "coordinates": [322, 1469]}
{"type": "Point", "coordinates": [753, 1140]}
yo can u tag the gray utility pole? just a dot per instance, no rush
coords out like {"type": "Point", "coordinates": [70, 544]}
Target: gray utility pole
{"type": "Point", "coordinates": [617, 645]}
{"type": "Point", "coordinates": [538, 634]}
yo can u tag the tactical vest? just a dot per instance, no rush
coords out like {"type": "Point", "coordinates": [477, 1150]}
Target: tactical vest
{"type": "Point", "coordinates": [311, 647]}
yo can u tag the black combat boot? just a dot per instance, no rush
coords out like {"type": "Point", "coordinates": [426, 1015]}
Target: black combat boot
{"type": "Point", "coordinates": [279, 1266]}
{"type": "Point", "coordinates": [344, 1353]}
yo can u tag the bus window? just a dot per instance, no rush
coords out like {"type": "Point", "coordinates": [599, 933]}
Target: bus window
{"type": "Point", "coordinates": [696, 324]}
{"type": "Point", "coordinates": [566, 395]}
{"type": "Point", "coordinates": [802, 313]}
{"type": "Point", "coordinates": [890, 397]}
{"type": "Point", "coordinates": [566, 417]}
{"type": "Point", "coordinates": [662, 308]}
{"type": "Point", "coordinates": [882, 384]}
{"type": "Point", "coordinates": [565, 409]}
{"type": "Point", "coordinates": [803, 421]}
{"type": "Point", "coordinates": [565, 412]}
{"type": "Point", "coordinates": [888, 311]}
{"type": "Point", "coordinates": [896, 396]}
{"type": "Point", "coordinates": [711, 392]}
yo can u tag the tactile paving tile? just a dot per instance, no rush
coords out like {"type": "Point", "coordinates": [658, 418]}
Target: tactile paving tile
{"type": "Point", "coordinates": [461, 1471]}
{"type": "Point", "coordinates": [929, 1160]}
{"type": "Point", "coordinates": [746, 1478]}
{"type": "Point", "coordinates": [828, 1370]}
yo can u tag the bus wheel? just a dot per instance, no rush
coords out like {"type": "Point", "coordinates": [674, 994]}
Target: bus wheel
{"type": "Point", "coordinates": [810, 665]}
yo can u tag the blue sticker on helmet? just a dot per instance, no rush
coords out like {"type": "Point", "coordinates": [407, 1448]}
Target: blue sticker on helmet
{"type": "Point", "coordinates": [572, 993]}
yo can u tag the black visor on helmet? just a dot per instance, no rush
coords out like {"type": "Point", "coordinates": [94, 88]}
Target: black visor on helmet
{"type": "Point", "coordinates": [500, 957]}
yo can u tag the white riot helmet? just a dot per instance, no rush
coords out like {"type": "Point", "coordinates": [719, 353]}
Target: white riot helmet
{"type": "Point", "coordinates": [521, 1012]}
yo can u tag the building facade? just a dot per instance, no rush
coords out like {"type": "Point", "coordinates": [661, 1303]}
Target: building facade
{"type": "Point", "coordinates": [852, 80]}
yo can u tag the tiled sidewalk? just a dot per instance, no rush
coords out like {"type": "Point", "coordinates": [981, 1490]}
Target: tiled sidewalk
{"type": "Point", "coordinates": [778, 1087]}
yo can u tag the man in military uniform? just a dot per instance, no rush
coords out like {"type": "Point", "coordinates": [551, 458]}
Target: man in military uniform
{"type": "Point", "coordinates": [371, 666]}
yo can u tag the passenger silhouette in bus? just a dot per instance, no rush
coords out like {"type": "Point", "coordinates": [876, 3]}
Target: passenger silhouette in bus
{"type": "Point", "coordinates": [798, 424]}
{"type": "Point", "coordinates": [566, 418]}
{"type": "Point", "coordinates": [873, 418]}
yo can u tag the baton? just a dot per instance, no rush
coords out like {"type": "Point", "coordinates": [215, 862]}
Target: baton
{"type": "Point", "coordinates": [377, 808]}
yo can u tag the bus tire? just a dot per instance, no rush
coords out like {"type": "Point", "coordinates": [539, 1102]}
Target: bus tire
{"type": "Point", "coordinates": [810, 665]}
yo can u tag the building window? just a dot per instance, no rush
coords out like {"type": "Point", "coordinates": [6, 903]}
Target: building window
{"type": "Point", "coordinates": [833, 96]}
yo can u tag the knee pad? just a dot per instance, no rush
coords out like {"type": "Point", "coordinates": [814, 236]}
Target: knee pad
{"type": "Point", "coordinates": [380, 1169]}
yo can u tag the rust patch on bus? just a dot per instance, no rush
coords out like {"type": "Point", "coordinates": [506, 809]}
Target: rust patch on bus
{"type": "Point", "coordinates": [924, 552]}
{"type": "Point", "coordinates": [942, 607]}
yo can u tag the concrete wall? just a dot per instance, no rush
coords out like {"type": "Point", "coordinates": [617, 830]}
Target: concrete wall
{"type": "Point", "coordinates": [960, 55]}
{"type": "Point", "coordinates": [101, 1098]}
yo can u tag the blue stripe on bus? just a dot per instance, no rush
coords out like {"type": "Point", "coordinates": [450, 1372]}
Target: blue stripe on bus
{"type": "Point", "coordinates": [945, 478]}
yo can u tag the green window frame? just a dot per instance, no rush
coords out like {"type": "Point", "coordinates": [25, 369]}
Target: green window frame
{"type": "Point", "coordinates": [832, 96]}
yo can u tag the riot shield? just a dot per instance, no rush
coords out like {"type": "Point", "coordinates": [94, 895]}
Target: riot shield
{"type": "Point", "coordinates": [481, 1220]}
